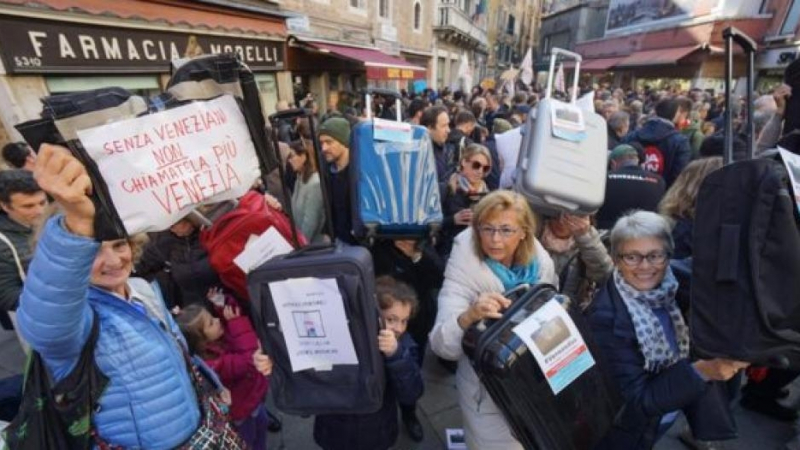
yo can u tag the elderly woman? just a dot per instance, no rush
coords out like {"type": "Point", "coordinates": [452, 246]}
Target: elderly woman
{"type": "Point", "coordinates": [497, 253]}
{"type": "Point", "coordinates": [639, 328]}
{"type": "Point", "coordinates": [154, 394]}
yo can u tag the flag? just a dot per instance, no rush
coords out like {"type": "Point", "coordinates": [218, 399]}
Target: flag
{"type": "Point", "coordinates": [465, 73]}
{"type": "Point", "coordinates": [526, 69]}
{"type": "Point", "coordinates": [559, 82]}
{"type": "Point", "coordinates": [480, 12]}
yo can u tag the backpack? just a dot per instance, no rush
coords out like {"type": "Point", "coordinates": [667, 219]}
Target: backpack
{"type": "Point", "coordinates": [229, 234]}
{"type": "Point", "coordinates": [746, 268]}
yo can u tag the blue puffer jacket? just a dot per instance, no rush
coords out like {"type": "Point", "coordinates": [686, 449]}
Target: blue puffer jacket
{"type": "Point", "coordinates": [149, 402]}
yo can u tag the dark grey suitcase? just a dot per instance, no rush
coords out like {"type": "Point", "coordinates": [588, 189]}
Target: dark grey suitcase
{"type": "Point", "coordinates": [344, 389]}
{"type": "Point", "coordinates": [578, 416]}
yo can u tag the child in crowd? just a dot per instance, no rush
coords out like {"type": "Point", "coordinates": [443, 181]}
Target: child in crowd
{"type": "Point", "coordinates": [378, 431]}
{"type": "Point", "coordinates": [231, 348]}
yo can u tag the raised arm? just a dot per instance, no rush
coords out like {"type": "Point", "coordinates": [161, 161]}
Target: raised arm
{"type": "Point", "coordinates": [53, 315]}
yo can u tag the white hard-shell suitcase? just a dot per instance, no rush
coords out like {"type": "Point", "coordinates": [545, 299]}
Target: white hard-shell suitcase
{"type": "Point", "coordinates": [562, 163]}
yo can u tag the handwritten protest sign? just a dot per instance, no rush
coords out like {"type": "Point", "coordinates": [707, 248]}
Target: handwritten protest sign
{"type": "Point", "coordinates": [159, 167]}
{"type": "Point", "coordinates": [314, 323]}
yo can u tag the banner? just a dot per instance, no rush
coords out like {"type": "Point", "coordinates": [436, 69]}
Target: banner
{"type": "Point", "coordinates": [159, 167]}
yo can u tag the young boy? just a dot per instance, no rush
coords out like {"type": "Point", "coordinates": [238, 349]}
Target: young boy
{"type": "Point", "coordinates": [378, 431]}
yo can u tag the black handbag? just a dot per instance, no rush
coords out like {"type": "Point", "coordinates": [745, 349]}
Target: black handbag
{"type": "Point", "coordinates": [57, 417]}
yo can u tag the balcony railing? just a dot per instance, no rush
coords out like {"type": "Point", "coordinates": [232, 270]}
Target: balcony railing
{"type": "Point", "coordinates": [454, 18]}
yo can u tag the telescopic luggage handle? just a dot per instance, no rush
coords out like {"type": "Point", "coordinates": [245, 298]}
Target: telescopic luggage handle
{"type": "Point", "coordinates": [368, 93]}
{"type": "Point", "coordinates": [731, 35]}
{"type": "Point", "coordinates": [554, 52]}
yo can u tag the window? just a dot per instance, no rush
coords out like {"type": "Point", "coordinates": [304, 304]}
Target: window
{"type": "Point", "coordinates": [417, 16]}
{"type": "Point", "coordinates": [792, 17]}
{"type": "Point", "coordinates": [357, 3]}
{"type": "Point", "coordinates": [383, 8]}
{"type": "Point", "coordinates": [510, 26]}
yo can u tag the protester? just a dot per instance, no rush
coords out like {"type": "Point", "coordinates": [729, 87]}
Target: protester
{"type": "Point", "coordinates": [437, 121]}
{"type": "Point", "coordinates": [154, 394]}
{"type": "Point", "coordinates": [23, 203]}
{"type": "Point", "coordinates": [178, 262]}
{"type": "Point", "coordinates": [645, 341]}
{"type": "Point", "coordinates": [459, 137]}
{"type": "Point", "coordinates": [666, 151]}
{"type": "Point", "coordinates": [334, 138]}
{"type": "Point", "coordinates": [307, 204]}
{"type": "Point", "coordinates": [19, 155]}
{"type": "Point", "coordinates": [228, 346]}
{"type": "Point", "coordinates": [581, 260]}
{"type": "Point", "coordinates": [464, 189]}
{"type": "Point", "coordinates": [496, 253]}
{"type": "Point", "coordinates": [378, 430]}
{"type": "Point", "coordinates": [618, 126]}
{"type": "Point", "coordinates": [680, 200]}
{"type": "Point", "coordinates": [628, 187]}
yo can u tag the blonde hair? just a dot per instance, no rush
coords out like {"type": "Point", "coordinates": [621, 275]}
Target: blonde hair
{"type": "Point", "coordinates": [500, 201]}
{"type": "Point", "coordinates": [680, 200]}
{"type": "Point", "coordinates": [475, 149]}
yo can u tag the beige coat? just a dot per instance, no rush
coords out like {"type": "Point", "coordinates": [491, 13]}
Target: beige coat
{"type": "Point", "coordinates": [466, 277]}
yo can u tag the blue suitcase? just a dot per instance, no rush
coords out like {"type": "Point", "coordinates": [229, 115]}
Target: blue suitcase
{"type": "Point", "coordinates": [395, 192]}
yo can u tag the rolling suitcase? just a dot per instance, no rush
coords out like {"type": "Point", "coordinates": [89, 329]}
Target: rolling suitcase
{"type": "Point", "coordinates": [563, 159]}
{"type": "Point", "coordinates": [317, 318]}
{"type": "Point", "coordinates": [395, 192]}
{"type": "Point", "coordinates": [546, 406]}
{"type": "Point", "coordinates": [746, 251]}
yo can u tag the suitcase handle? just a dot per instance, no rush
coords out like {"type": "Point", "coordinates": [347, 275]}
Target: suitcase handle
{"type": "Point", "coordinates": [554, 52]}
{"type": "Point", "coordinates": [368, 93]}
{"type": "Point", "coordinates": [289, 114]}
{"type": "Point", "coordinates": [731, 35]}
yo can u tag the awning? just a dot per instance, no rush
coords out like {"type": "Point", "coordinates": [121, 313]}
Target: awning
{"type": "Point", "coordinates": [600, 64]}
{"type": "Point", "coordinates": [662, 57]}
{"type": "Point", "coordinates": [379, 65]}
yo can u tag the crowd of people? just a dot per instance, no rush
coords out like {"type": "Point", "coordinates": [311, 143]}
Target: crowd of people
{"type": "Point", "coordinates": [175, 346]}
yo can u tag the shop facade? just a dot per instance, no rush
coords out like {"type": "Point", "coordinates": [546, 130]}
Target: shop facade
{"type": "Point", "coordinates": [46, 52]}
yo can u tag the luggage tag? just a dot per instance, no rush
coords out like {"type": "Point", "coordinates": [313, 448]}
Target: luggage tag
{"type": "Point", "coordinates": [391, 131]}
{"type": "Point", "coordinates": [567, 121]}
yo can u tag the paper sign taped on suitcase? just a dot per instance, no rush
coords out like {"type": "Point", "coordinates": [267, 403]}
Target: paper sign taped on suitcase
{"type": "Point", "coordinates": [388, 130]}
{"type": "Point", "coordinates": [567, 122]}
{"type": "Point", "coordinates": [556, 344]}
{"type": "Point", "coordinates": [313, 322]}
{"type": "Point", "coordinates": [159, 167]}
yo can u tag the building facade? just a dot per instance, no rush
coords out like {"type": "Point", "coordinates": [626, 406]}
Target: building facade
{"type": "Point", "coordinates": [460, 44]}
{"type": "Point", "coordinates": [48, 47]}
{"type": "Point", "coordinates": [781, 43]}
{"type": "Point", "coordinates": [564, 24]}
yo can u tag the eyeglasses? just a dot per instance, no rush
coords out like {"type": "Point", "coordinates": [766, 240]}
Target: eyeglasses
{"type": "Point", "coordinates": [504, 232]}
{"type": "Point", "coordinates": [654, 258]}
{"type": "Point", "coordinates": [478, 166]}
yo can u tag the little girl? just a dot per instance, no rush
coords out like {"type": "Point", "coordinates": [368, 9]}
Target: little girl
{"type": "Point", "coordinates": [231, 348]}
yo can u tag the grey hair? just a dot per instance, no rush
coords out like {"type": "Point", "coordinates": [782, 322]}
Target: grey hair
{"type": "Point", "coordinates": [641, 224]}
{"type": "Point", "coordinates": [618, 119]}
{"type": "Point", "coordinates": [636, 106]}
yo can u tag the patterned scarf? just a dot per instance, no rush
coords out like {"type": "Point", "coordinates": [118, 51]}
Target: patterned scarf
{"type": "Point", "coordinates": [464, 186]}
{"type": "Point", "coordinates": [657, 351]}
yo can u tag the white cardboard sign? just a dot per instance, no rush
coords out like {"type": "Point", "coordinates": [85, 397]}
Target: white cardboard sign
{"type": "Point", "coordinates": [556, 344]}
{"type": "Point", "coordinates": [260, 249]}
{"type": "Point", "coordinates": [314, 323]}
{"type": "Point", "coordinates": [160, 166]}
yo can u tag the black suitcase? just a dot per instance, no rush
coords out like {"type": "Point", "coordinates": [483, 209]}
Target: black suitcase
{"type": "Point", "coordinates": [578, 416]}
{"type": "Point", "coordinates": [343, 389]}
{"type": "Point", "coordinates": [746, 252]}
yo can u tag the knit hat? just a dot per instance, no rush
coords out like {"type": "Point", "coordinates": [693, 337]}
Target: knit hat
{"type": "Point", "coordinates": [337, 128]}
{"type": "Point", "coordinates": [500, 126]}
{"type": "Point", "coordinates": [622, 151]}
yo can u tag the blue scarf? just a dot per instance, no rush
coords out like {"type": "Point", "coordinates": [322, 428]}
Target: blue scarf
{"type": "Point", "coordinates": [516, 275]}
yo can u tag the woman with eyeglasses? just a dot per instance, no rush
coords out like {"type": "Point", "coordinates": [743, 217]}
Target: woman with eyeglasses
{"type": "Point", "coordinates": [645, 341]}
{"type": "Point", "coordinates": [498, 252]}
{"type": "Point", "coordinates": [464, 190]}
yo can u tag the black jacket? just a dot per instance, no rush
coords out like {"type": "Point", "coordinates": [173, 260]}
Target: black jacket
{"type": "Point", "coordinates": [376, 431]}
{"type": "Point", "coordinates": [10, 282]}
{"type": "Point", "coordinates": [425, 277]}
{"type": "Point", "coordinates": [338, 186]}
{"type": "Point", "coordinates": [629, 188]}
{"type": "Point", "coordinates": [180, 265]}
{"type": "Point", "coordinates": [649, 396]}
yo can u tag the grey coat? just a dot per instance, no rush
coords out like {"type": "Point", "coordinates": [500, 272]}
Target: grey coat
{"type": "Point", "coordinates": [10, 282]}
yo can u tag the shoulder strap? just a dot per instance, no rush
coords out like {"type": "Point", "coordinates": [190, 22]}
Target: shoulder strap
{"type": "Point", "coordinates": [16, 255]}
